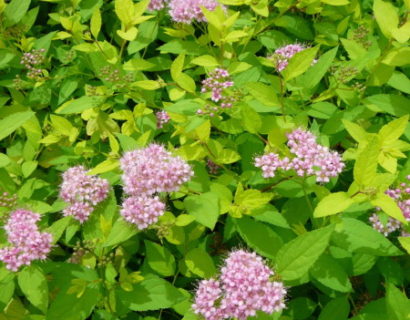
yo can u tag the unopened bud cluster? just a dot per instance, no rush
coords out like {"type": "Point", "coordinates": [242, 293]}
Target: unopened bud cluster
{"type": "Point", "coordinates": [7, 200]}
{"type": "Point", "coordinates": [149, 171]}
{"type": "Point", "coordinates": [113, 75]}
{"type": "Point", "coordinates": [243, 288]}
{"type": "Point", "coordinates": [26, 241]}
{"type": "Point", "coordinates": [82, 192]}
{"type": "Point", "coordinates": [360, 36]}
{"type": "Point", "coordinates": [31, 61]}
{"type": "Point", "coordinates": [309, 158]}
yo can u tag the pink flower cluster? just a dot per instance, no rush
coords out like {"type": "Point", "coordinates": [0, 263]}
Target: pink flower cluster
{"type": "Point", "coordinates": [146, 172]}
{"type": "Point", "coordinates": [243, 288]}
{"type": "Point", "coordinates": [27, 242]}
{"type": "Point", "coordinates": [310, 158]}
{"type": "Point", "coordinates": [386, 229]}
{"type": "Point", "coordinates": [82, 192]}
{"type": "Point", "coordinates": [162, 118]}
{"type": "Point", "coordinates": [283, 54]}
{"type": "Point", "coordinates": [157, 5]}
{"type": "Point", "coordinates": [31, 60]}
{"type": "Point", "coordinates": [142, 211]}
{"type": "Point", "coordinates": [184, 11]}
{"type": "Point", "coordinates": [187, 11]}
{"type": "Point", "coordinates": [216, 83]}
{"type": "Point", "coordinates": [402, 196]}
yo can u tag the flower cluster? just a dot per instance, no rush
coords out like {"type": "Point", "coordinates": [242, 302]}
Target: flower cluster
{"type": "Point", "coordinates": [310, 158]}
{"type": "Point", "coordinates": [157, 5]}
{"type": "Point", "coordinates": [243, 288]}
{"type": "Point", "coordinates": [27, 242]}
{"type": "Point", "coordinates": [31, 60]}
{"type": "Point", "coordinates": [82, 192]}
{"type": "Point", "coordinates": [401, 195]}
{"type": "Point", "coordinates": [162, 118]}
{"type": "Point", "coordinates": [146, 172]}
{"type": "Point", "coordinates": [216, 83]}
{"type": "Point", "coordinates": [184, 11]}
{"type": "Point", "coordinates": [283, 54]}
{"type": "Point", "coordinates": [143, 210]}
{"type": "Point", "coordinates": [389, 227]}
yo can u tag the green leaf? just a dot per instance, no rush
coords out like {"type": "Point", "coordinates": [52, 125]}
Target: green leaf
{"type": "Point", "coordinates": [299, 63]}
{"type": "Point", "coordinates": [405, 243]}
{"type": "Point", "coordinates": [58, 227]}
{"type": "Point", "coordinates": [251, 120]}
{"type": "Point", "coordinates": [398, 305]}
{"type": "Point", "coordinates": [15, 11]}
{"type": "Point", "coordinates": [159, 259]}
{"type": "Point", "coordinates": [357, 236]}
{"type": "Point", "coordinates": [263, 93]}
{"type": "Point", "coordinates": [6, 292]}
{"type": "Point", "coordinates": [78, 105]}
{"type": "Point", "coordinates": [392, 131]}
{"type": "Point", "coordinates": [95, 23]}
{"type": "Point", "coordinates": [365, 168]}
{"type": "Point", "coordinates": [395, 105]}
{"type": "Point", "coordinates": [147, 84]}
{"type": "Point", "coordinates": [177, 66]}
{"type": "Point", "coordinates": [297, 256]}
{"type": "Point", "coordinates": [328, 271]}
{"type": "Point", "coordinates": [204, 207]}
{"type": "Point", "coordinates": [259, 236]}
{"type": "Point", "coordinates": [389, 206]}
{"type": "Point", "coordinates": [33, 284]}
{"type": "Point", "coordinates": [332, 204]}
{"type": "Point", "coordinates": [250, 199]}
{"type": "Point", "coordinates": [75, 306]}
{"type": "Point", "coordinates": [153, 293]}
{"type": "Point", "coordinates": [205, 61]}
{"type": "Point", "coordinates": [356, 131]}
{"type": "Point", "coordinates": [12, 122]}
{"type": "Point", "coordinates": [120, 232]}
{"type": "Point", "coordinates": [398, 57]}
{"type": "Point", "coordinates": [300, 308]}
{"type": "Point", "coordinates": [314, 74]}
{"type": "Point", "coordinates": [125, 11]}
{"type": "Point", "coordinates": [4, 160]}
{"type": "Point", "coordinates": [200, 263]}
{"type": "Point", "coordinates": [336, 309]}
{"type": "Point", "coordinates": [386, 17]}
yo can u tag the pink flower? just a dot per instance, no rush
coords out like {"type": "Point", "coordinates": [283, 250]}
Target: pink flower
{"type": "Point", "coordinates": [162, 118]}
{"type": "Point", "coordinates": [142, 211]}
{"type": "Point", "coordinates": [82, 192]}
{"type": "Point", "coordinates": [27, 242]}
{"type": "Point", "coordinates": [309, 158]}
{"type": "Point", "coordinates": [186, 11]}
{"type": "Point", "coordinates": [216, 83]}
{"type": "Point", "coordinates": [391, 225]}
{"type": "Point", "coordinates": [283, 54]}
{"type": "Point", "coordinates": [157, 5]}
{"type": "Point", "coordinates": [243, 288]}
{"type": "Point", "coordinates": [153, 169]}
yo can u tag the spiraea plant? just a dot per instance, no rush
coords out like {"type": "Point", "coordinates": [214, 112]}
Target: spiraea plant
{"type": "Point", "coordinates": [204, 160]}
